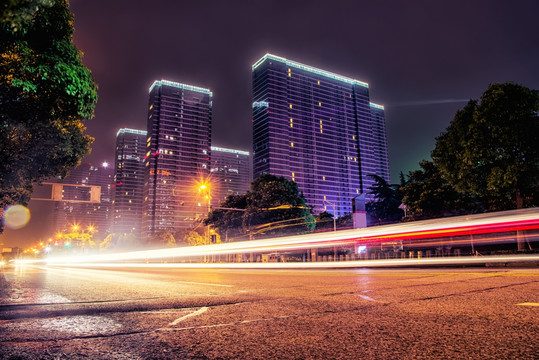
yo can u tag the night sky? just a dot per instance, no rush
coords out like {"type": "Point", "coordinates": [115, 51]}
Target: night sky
{"type": "Point", "coordinates": [422, 59]}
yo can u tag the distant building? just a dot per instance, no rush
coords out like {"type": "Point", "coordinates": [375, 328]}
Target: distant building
{"type": "Point", "coordinates": [129, 181]}
{"type": "Point", "coordinates": [177, 156]}
{"type": "Point", "coordinates": [230, 173]}
{"type": "Point", "coordinates": [318, 129]}
{"type": "Point", "coordinates": [86, 215]}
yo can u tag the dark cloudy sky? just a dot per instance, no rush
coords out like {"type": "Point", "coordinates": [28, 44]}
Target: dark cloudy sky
{"type": "Point", "coordinates": [422, 59]}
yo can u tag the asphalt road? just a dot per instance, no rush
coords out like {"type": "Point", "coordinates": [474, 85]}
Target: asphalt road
{"type": "Point", "coordinates": [474, 313]}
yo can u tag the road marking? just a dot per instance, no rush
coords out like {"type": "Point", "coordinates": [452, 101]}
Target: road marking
{"type": "Point", "coordinates": [207, 284]}
{"type": "Point", "coordinates": [528, 304]}
{"type": "Point", "coordinates": [366, 297]}
{"type": "Point", "coordinates": [195, 313]}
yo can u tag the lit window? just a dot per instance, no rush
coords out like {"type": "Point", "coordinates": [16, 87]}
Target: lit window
{"type": "Point", "coordinates": [164, 181]}
{"type": "Point", "coordinates": [319, 104]}
{"type": "Point", "coordinates": [323, 178]}
{"type": "Point", "coordinates": [290, 106]}
{"type": "Point", "coordinates": [353, 137]}
{"type": "Point", "coordinates": [357, 191]}
{"type": "Point", "coordinates": [325, 197]}
{"type": "Point", "coordinates": [318, 82]}
{"type": "Point", "coordinates": [292, 144]}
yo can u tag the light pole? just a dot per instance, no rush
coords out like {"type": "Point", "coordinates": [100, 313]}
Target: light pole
{"type": "Point", "coordinates": [334, 226]}
{"type": "Point", "coordinates": [204, 187]}
{"type": "Point", "coordinates": [334, 215]}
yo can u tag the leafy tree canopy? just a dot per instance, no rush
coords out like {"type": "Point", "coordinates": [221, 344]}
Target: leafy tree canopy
{"type": "Point", "coordinates": [45, 94]}
{"type": "Point", "coordinates": [272, 206]}
{"type": "Point", "coordinates": [388, 198]}
{"type": "Point", "coordinates": [162, 238]}
{"type": "Point", "coordinates": [490, 147]}
{"type": "Point", "coordinates": [427, 195]}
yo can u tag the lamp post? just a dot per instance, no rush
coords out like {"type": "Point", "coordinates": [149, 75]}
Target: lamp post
{"type": "Point", "coordinates": [204, 187]}
{"type": "Point", "coordinates": [334, 215]}
{"type": "Point", "coordinates": [334, 226]}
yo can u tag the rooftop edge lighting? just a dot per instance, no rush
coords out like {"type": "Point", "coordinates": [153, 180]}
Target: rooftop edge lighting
{"type": "Point", "coordinates": [180, 86]}
{"type": "Point", "coordinates": [260, 104]}
{"type": "Point", "coordinates": [240, 152]}
{"type": "Point", "coordinates": [376, 106]}
{"type": "Point", "coordinates": [310, 69]}
{"type": "Point", "coordinates": [131, 131]}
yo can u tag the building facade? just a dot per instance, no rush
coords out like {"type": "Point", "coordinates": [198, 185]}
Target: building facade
{"type": "Point", "coordinates": [79, 211]}
{"type": "Point", "coordinates": [231, 173]}
{"type": "Point", "coordinates": [177, 158]}
{"type": "Point", "coordinates": [129, 181]}
{"type": "Point", "coordinates": [318, 129]}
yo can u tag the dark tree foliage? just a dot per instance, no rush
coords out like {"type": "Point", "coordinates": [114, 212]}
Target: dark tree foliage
{"type": "Point", "coordinates": [490, 148]}
{"type": "Point", "coordinates": [45, 94]}
{"type": "Point", "coordinates": [388, 198]}
{"type": "Point", "coordinates": [324, 221]}
{"type": "Point", "coordinates": [272, 206]}
{"type": "Point", "coordinates": [427, 195]}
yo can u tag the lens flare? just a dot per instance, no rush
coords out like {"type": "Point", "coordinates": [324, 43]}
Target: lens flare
{"type": "Point", "coordinates": [16, 216]}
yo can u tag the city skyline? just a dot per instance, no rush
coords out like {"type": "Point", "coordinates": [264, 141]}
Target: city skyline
{"type": "Point", "coordinates": [424, 60]}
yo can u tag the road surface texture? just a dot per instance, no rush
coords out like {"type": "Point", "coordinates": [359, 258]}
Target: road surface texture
{"type": "Point", "coordinates": [472, 313]}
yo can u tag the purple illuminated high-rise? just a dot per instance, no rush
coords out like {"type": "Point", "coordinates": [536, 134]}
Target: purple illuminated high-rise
{"type": "Point", "coordinates": [319, 129]}
{"type": "Point", "coordinates": [178, 150]}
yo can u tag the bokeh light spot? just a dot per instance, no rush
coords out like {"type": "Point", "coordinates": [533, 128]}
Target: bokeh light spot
{"type": "Point", "coordinates": [16, 216]}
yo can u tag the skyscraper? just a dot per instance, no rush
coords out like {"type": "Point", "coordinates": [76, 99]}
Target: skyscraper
{"type": "Point", "coordinates": [230, 173]}
{"type": "Point", "coordinates": [129, 181]}
{"type": "Point", "coordinates": [85, 215]}
{"type": "Point", "coordinates": [177, 156]}
{"type": "Point", "coordinates": [318, 129]}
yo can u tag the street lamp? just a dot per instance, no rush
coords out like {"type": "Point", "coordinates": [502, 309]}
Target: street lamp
{"type": "Point", "coordinates": [334, 225]}
{"type": "Point", "coordinates": [334, 215]}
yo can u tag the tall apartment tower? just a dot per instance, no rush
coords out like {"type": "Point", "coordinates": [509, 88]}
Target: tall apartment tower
{"type": "Point", "coordinates": [85, 215]}
{"type": "Point", "coordinates": [231, 173]}
{"type": "Point", "coordinates": [178, 150]}
{"type": "Point", "coordinates": [318, 129]}
{"type": "Point", "coordinates": [129, 181]}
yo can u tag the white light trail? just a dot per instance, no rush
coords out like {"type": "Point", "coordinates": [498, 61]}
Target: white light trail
{"type": "Point", "coordinates": [474, 224]}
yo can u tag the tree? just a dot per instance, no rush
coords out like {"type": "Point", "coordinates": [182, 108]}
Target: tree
{"type": "Point", "coordinates": [275, 205]}
{"type": "Point", "coordinates": [387, 199]}
{"type": "Point", "coordinates": [427, 195]}
{"type": "Point", "coordinates": [490, 148]}
{"type": "Point", "coordinates": [272, 206]}
{"type": "Point", "coordinates": [324, 221]}
{"type": "Point", "coordinates": [45, 94]}
{"type": "Point", "coordinates": [119, 242]}
{"type": "Point", "coordinates": [163, 238]}
{"type": "Point", "coordinates": [229, 222]}
{"type": "Point", "coordinates": [193, 238]}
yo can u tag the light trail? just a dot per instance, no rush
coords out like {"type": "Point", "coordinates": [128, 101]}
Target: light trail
{"type": "Point", "coordinates": [515, 220]}
{"type": "Point", "coordinates": [436, 261]}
